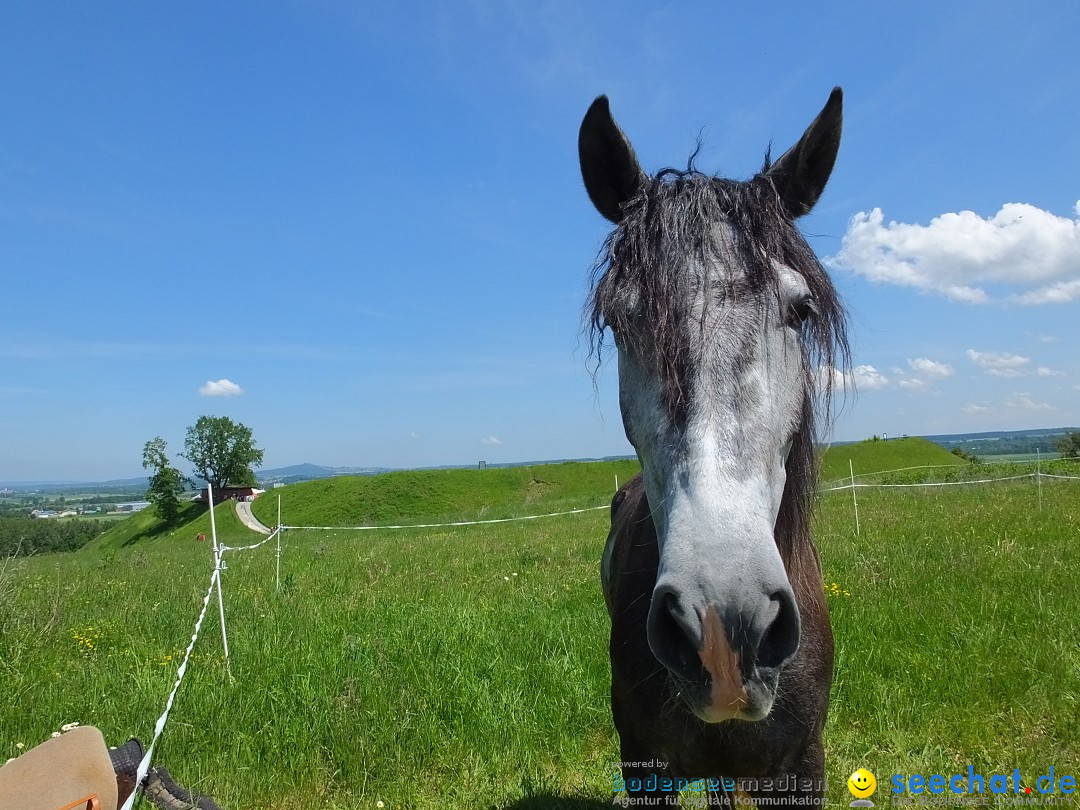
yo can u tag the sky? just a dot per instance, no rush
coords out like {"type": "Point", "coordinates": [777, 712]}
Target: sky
{"type": "Point", "coordinates": [360, 229]}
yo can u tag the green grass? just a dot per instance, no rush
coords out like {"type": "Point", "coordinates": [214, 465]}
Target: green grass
{"type": "Point", "coordinates": [417, 669]}
{"type": "Point", "coordinates": [958, 644]}
{"type": "Point", "coordinates": [876, 456]}
{"type": "Point", "coordinates": [101, 517]}
{"type": "Point", "coordinates": [468, 667]}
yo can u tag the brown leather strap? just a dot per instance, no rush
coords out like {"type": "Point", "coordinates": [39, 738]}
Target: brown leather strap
{"type": "Point", "coordinates": [86, 803]}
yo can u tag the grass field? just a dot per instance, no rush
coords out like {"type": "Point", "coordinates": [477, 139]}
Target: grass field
{"type": "Point", "coordinates": [467, 667]}
{"type": "Point", "coordinates": [106, 517]}
{"type": "Point", "coordinates": [1029, 457]}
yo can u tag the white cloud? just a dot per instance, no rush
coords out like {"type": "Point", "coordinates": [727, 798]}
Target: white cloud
{"type": "Point", "coordinates": [1025, 402]}
{"type": "Point", "coordinates": [930, 368]}
{"type": "Point", "coordinates": [414, 435]}
{"type": "Point", "coordinates": [958, 255]}
{"type": "Point", "coordinates": [869, 377]}
{"type": "Point", "coordinates": [865, 377]}
{"type": "Point", "coordinates": [975, 408]}
{"type": "Point", "coordinates": [1060, 293]}
{"type": "Point", "coordinates": [914, 384]}
{"type": "Point", "coordinates": [1043, 371]}
{"type": "Point", "coordinates": [221, 388]}
{"type": "Point", "coordinates": [999, 364]}
{"type": "Point", "coordinates": [491, 440]}
{"type": "Point", "coordinates": [827, 375]}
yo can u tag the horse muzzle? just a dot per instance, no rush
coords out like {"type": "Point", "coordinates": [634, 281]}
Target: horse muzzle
{"type": "Point", "coordinates": [725, 662]}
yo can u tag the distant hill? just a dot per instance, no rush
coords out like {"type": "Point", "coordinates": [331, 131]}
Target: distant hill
{"type": "Point", "coordinates": [1005, 442]}
{"type": "Point", "coordinates": [119, 486]}
{"type": "Point", "coordinates": [953, 438]}
{"type": "Point", "coordinates": [311, 472]}
{"type": "Point", "coordinates": [877, 456]}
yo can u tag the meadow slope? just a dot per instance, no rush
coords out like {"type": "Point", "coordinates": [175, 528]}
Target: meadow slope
{"type": "Point", "coordinates": [417, 496]}
{"type": "Point", "coordinates": [876, 456]}
{"type": "Point", "coordinates": [467, 667]}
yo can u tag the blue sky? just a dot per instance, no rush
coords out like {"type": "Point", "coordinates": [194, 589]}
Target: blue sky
{"type": "Point", "coordinates": [369, 220]}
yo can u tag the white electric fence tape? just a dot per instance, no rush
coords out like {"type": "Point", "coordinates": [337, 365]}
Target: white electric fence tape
{"type": "Point", "coordinates": [445, 525]}
{"type": "Point", "coordinates": [253, 545]}
{"type": "Point", "coordinates": [144, 765]}
{"type": "Point", "coordinates": [933, 467]}
{"type": "Point", "coordinates": [935, 484]}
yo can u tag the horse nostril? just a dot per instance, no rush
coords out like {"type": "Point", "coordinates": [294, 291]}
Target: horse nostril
{"type": "Point", "coordinates": [670, 607]}
{"type": "Point", "coordinates": [781, 637]}
{"type": "Point", "coordinates": [672, 634]}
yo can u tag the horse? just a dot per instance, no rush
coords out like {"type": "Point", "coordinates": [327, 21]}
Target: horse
{"type": "Point", "coordinates": [724, 321]}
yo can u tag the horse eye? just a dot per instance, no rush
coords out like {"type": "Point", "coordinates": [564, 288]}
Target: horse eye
{"type": "Point", "coordinates": [801, 310]}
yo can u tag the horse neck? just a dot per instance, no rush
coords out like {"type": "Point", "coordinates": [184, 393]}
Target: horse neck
{"type": "Point", "coordinates": [792, 529]}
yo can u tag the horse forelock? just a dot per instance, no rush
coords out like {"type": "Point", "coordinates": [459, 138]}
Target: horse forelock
{"type": "Point", "coordinates": [641, 280]}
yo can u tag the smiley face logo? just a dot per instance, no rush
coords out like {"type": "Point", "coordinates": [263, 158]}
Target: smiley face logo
{"type": "Point", "coordinates": [862, 784]}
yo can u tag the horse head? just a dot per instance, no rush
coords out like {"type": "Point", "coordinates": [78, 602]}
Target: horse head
{"type": "Point", "coordinates": [719, 311]}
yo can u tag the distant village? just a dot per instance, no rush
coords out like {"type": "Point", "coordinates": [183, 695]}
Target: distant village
{"type": "Point", "coordinates": [91, 509]}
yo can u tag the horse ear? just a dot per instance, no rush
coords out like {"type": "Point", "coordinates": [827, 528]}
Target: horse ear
{"type": "Point", "coordinates": [608, 164]}
{"type": "Point", "coordinates": [801, 173]}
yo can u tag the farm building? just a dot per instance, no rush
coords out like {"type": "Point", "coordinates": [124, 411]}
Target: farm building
{"type": "Point", "coordinates": [133, 506]}
{"type": "Point", "coordinates": [232, 493]}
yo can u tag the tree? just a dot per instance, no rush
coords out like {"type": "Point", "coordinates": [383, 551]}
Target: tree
{"type": "Point", "coordinates": [1068, 445]}
{"type": "Point", "coordinates": [222, 451]}
{"type": "Point", "coordinates": [166, 484]}
{"type": "Point", "coordinates": [960, 452]}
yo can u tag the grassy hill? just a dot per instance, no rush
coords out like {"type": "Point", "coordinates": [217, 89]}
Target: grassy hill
{"type": "Point", "coordinates": [145, 527]}
{"type": "Point", "coordinates": [430, 496]}
{"type": "Point", "coordinates": [395, 497]}
{"type": "Point", "coordinates": [877, 456]}
{"type": "Point", "coordinates": [445, 495]}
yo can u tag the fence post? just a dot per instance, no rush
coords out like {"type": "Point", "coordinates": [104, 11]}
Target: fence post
{"type": "Point", "coordinates": [277, 564]}
{"type": "Point", "coordinates": [1038, 474]}
{"type": "Point", "coordinates": [854, 499]}
{"type": "Point", "coordinates": [220, 567]}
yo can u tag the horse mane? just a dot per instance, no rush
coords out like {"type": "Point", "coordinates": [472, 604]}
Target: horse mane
{"type": "Point", "coordinates": [641, 273]}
